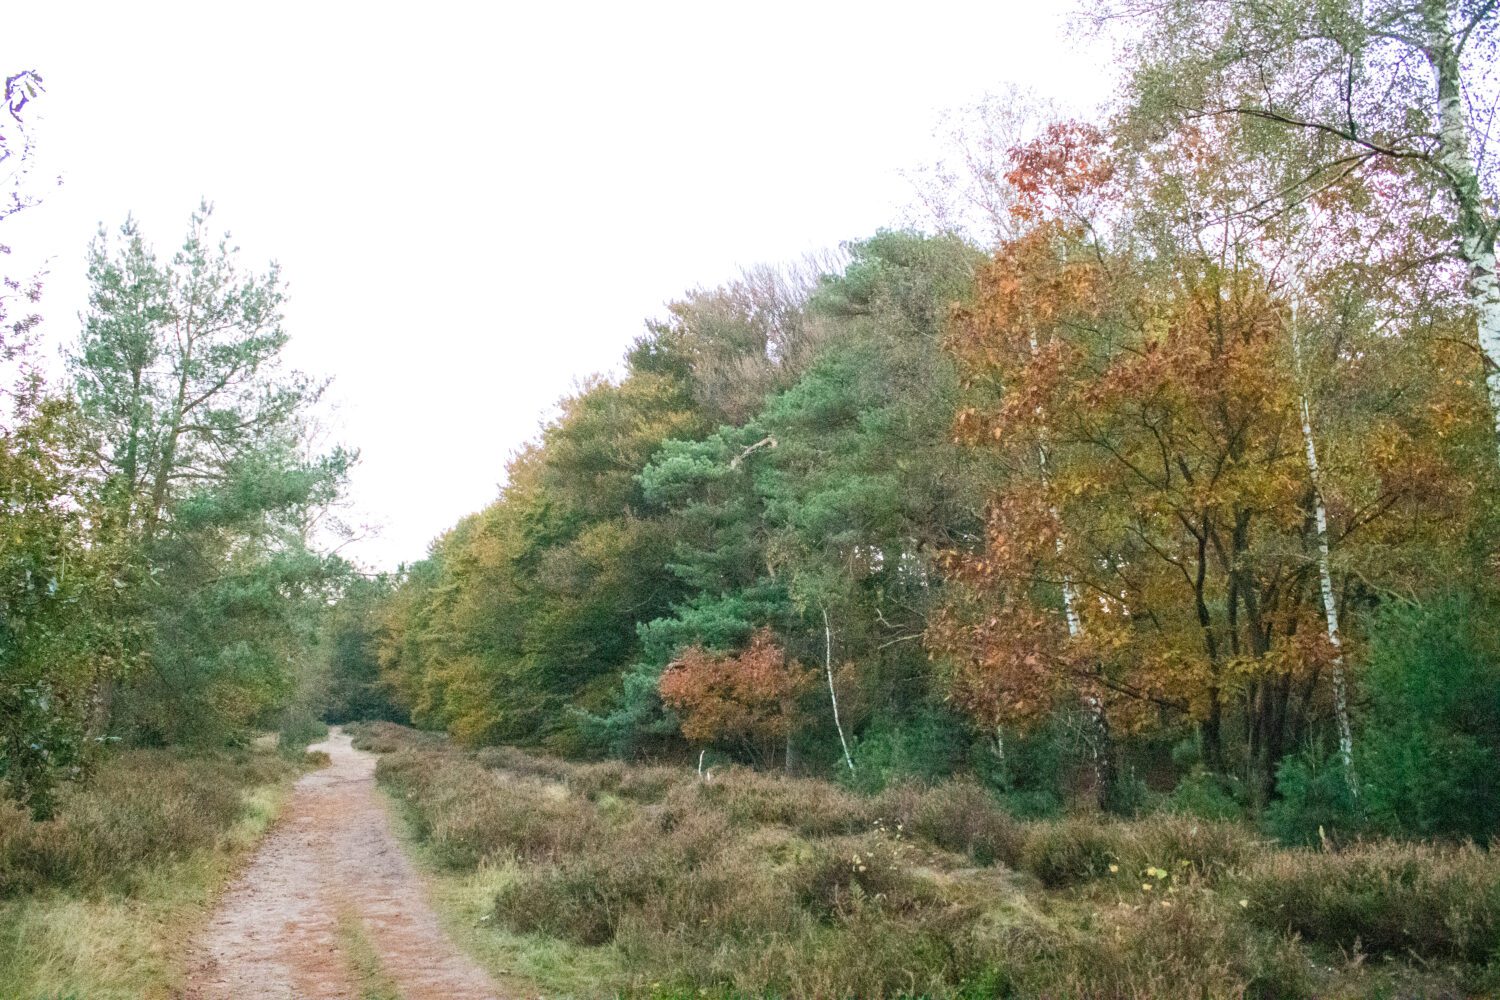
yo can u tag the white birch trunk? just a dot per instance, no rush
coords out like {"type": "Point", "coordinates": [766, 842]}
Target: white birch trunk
{"type": "Point", "coordinates": [1325, 574]}
{"type": "Point", "coordinates": [1476, 223]}
{"type": "Point", "coordinates": [832, 694]}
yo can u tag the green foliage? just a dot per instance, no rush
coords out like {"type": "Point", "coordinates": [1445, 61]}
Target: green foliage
{"type": "Point", "coordinates": [298, 729]}
{"type": "Point", "coordinates": [1210, 796]}
{"type": "Point", "coordinates": [1429, 743]}
{"type": "Point", "coordinates": [355, 691]}
{"type": "Point", "coordinates": [1316, 801]}
{"type": "Point", "coordinates": [926, 746]}
{"type": "Point", "coordinates": [1427, 747]}
{"type": "Point", "coordinates": [208, 491]}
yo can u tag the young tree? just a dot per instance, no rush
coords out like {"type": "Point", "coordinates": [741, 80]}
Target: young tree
{"type": "Point", "coordinates": [747, 699]}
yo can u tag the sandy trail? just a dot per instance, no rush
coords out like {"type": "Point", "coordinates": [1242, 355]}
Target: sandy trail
{"type": "Point", "coordinates": [330, 859]}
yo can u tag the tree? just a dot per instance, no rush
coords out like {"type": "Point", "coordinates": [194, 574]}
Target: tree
{"type": "Point", "coordinates": [206, 485]}
{"type": "Point", "coordinates": [355, 691]}
{"type": "Point", "coordinates": [60, 635]}
{"type": "Point", "coordinates": [748, 700]}
{"type": "Point", "coordinates": [1133, 373]}
{"type": "Point", "coordinates": [1393, 80]}
{"type": "Point", "coordinates": [21, 89]}
{"type": "Point", "coordinates": [180, 366]}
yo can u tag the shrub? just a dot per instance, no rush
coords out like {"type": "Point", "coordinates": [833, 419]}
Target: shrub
{"type": "Point", "coordinates": [143, 807]}
{"type": "Point", "coordinates": [1210, 849]}
{"type": "Point", "coordinates": [519, 762]}
{"type": "Point", "coordinates": [1207, 796]}
{"type": "Point", "coordinates": [388, 737]}
{"type": "Point", "coordinates": [749, 798]}
{"type": "Point", "coordinates": [924, 748]}
{"type": "Point", "coordinates": [468, 816]}
{"type": "Point", "coordinates": [580, 899]}
{"type": "Point", "coordinates": [959, 816]}
{"type": "Point", "coordinates": [663, 879]}
{"type": "Point", "coordinates": [1386, 898]}
{"type": "Point", "coordinates": [299, 729]}
{"type": "Point", "coordinates": [1185, 947]}
{"type": "Point", "coordinates": [1316, 801]}
{"type": "Point", "coordinates": [1070, 851]}
{"type": "Point", "coordinates": [1429, 751]}
{"type": "Point", "coordinates": [842, 876]}
{"type": "Point", "coordinates": [639, 782]}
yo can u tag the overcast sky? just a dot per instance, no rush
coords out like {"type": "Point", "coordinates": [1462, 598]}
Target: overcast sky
{"type": "Point", "coordinates": [476, 205]}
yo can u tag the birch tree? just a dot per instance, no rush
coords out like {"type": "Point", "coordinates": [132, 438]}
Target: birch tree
{"type": "Point", "coordinates": [1325, 572]}
{"type": "Point", "coordinates": [1410, 81]}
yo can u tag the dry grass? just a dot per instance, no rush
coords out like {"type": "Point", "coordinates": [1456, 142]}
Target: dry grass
{"type": "Point", "coordinates": [1385, 899]}
{"type": "Point", "coordinates": [97, 902]}
{"type": "Point", "coordinates": [661, 884]}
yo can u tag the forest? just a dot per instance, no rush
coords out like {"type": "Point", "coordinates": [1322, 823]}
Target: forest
{"type": "Point", "coordinates": [1179, 489]}
{"type": "Point", "coordinates": [1149, 483]}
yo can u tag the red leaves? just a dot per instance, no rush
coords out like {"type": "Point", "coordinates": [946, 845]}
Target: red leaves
{"type": "Point", "coordinates": [749, 697]}
{"type": "Point", "coordinates": [1069, 162]}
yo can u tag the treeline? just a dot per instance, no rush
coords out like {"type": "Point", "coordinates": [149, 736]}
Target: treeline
{"type": "Point", "coordinates": [161, 579]}
{"type": "Point", "coordinates": [1185, 485]}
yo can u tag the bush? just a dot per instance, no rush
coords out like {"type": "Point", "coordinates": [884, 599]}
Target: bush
{"type": "Point", "coordinates": [959, 816]}
{"type": "Point", "coordinates": [1206, 796]}
{"type": "Point", "coordinates": [143, 807]}
{"type": "Point", "coordinates": [675, 879]}
{"type": "Point", "coordinates": [1429, 751]}
{"type": "Point", "coordinates": [1210, 849]}
{"type": "Point", "coordinates": [523, 764]}
{"type": "Point", "coordinates": [580, 899]}
{"type": "Point", "coordinates": [1316, 801]}
{"type": "Point", "coordinates": [468, 816]}
{"type": "Point", "coordinates": [760, 885]}
{"type": "Point", "coordinates": [924, 748]}
{"type": "Point", "coordinates": [639, 782]}
{"type": "Point", "coordinates": [388, 737]}
{"type": "Point", "coordinates": [750, 798]}
{"type": "Point", "coordinates": [1070, 851]}
{"type": "Point", "coordinates": [298, 730]}
{"type": "Point", "coordinates": [841, 877]}
{"type": "Point", "coordinates": [1385, 898]}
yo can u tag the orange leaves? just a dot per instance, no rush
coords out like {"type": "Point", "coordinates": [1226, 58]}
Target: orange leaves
{"type": "Point", "coordinates": [1067, 164]}
{"type": "Point", "coordinates": [750, 696]}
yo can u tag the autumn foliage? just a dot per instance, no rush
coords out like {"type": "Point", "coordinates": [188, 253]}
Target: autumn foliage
{"type": "Point", "coordinates": [1139, 373]}
{"type": "Point", "coordinates": [746, 699]}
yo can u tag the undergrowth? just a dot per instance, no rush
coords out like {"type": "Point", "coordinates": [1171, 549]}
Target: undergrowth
{"type": "Point", "coordinates": [96, 901]}
{"type": "Point", "coordinates": [663, 884]}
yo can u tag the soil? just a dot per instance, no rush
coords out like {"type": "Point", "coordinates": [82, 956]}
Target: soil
{"type": "Point", "coordinates": [330, 872]}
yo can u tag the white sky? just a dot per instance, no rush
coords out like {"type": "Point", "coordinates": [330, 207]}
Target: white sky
{"type": "Point", "coordinates": [477, 204]}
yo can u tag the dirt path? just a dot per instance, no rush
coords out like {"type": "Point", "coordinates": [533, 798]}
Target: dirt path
{"type": "Point", "coordinates": [330, 906]}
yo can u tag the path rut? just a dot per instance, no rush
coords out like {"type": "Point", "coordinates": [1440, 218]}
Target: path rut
{"type": "Point", "coordinates": [331, 867]}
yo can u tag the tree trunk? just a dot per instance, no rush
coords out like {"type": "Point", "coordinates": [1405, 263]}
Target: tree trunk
{"type": "Point", "coordinates": [832, 694]}
{"type": "Point", "coordinates": [1476, 224]}
{"type": "Point", "coordinates": [1099, 738]}
{"type": "Point", "coordinates": [168, 457]}
{"type": "Point", "coordinates": [1325, 574]}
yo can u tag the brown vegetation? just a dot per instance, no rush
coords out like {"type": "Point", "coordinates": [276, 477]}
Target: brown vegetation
{"type": "Point", "coordinates": [749, 885]}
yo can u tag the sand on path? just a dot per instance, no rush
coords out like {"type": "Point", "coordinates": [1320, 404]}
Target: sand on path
{"type": "Point", "coordinates": [331, 871]}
